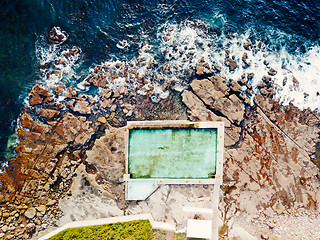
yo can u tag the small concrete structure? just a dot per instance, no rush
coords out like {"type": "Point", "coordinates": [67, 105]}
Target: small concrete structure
{"type": "Point", "coordinates": [199, 228]}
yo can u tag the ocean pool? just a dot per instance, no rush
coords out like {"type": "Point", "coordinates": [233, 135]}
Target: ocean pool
{"type": "Point", "coordinates": [188, 153]}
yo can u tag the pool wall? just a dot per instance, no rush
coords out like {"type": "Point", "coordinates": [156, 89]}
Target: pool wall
{"type": "Point", "coordinates": [156, 182]}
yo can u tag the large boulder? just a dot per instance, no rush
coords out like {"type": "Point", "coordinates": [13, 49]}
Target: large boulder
{"type": "Point", "coordinates": [231, 107]}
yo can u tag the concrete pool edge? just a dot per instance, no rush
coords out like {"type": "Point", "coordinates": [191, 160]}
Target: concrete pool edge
{"type": "Point", "coordinates": [217, 180]}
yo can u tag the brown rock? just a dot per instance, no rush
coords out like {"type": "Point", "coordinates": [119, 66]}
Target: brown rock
{"type": "Point", "coordinates": [234, 86]}
{"type": "Point", "coordinates": [107, 154]}
{"type": "Point", "coordinates": [102, 119]}
{"type": "Point", "coordinates": [203, 68]}
{"type": "Point", "coordinates": [82, 107]}
{"type": "Point", "coordinates": [231, 107]}
{"type": "Point", "coordinates": [261, 85]}
{"type": "Point", "coordinates": [250, 76]}
{"type": "Point", "coordinates": [220, 82]}
{"type": "Point", "coordinates": [232, 64]}
{"type": "Point", "coordinates": [295, 83]}
{"type": "Point", "coordinates": [71, 92]}
{"type": "Point", "coordinates": [57, 36]}
{"type": "Point", "coordinates": [30, 213]}
{"type": "Point", "coordinates": [38, 94]}
{"type": "Point", "coordinates": [48, 113]}
{"type": "Point", "coordinates": [272, 72]}
{"type": "Point", "coordinates": [26, 120]}
{"type": "Point", "coordinates": [244, 59]}
{"type": "Point", "coordinates": [242, 81]}
{"type": "Point", "coordinates": [58, 89]}
{"type": "Point", "coordinates": [263, 91]}
{"type": "Point", "coordinates": [247, 44]}
{"type": "Point", "coordinates": [198, 111]}
{"type": "Point", "coordinates": [217, 67]}
{"type": "Point", "coordinates": [30, 227]}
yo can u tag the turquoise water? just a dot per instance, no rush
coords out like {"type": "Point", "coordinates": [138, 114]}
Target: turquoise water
{"type": "Point", "coordinates": [140, 190]}
{"type": "Point", "coordinates": [172, 153]}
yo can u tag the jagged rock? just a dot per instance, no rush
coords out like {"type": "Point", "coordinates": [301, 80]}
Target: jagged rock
{"type": "Point", "coordinates": [263, 91]}
{"type": "Point", "coordinates": [57, 36]}
{"type": "Point", "coordinates": [268, 81]}
{"type": "Point", "coordinates": [244, 59]}
{"type": "Point", "coordinates": [242, 81]}
{"type": "Point", "coordinates": [217, 67]}
{"type": "Point", "coordinates": [261, 85]}
{"type": "Point", "coordinates": [81, 104]}
{"type": "Point", "coordinates": [198, 111]}
{"type": "Point", "coordinates": [58, 89]}
{"type": "Point", "coordinates": [220, 82]}
{"type": "Point", "coordinates": [82, 107]}
{"type": "Point", "coordinates": [245, 99]}
{"type": "Point", "coordinates": [207, 91]}
{"type": "Point", "coordinates": [71, 93]}
{"type": "Point", "coordinates": [105, 94]}
{"type": "Point", "coordinates": [234, 86]}
{"type": "Point", "coordinates": [232, 64]}
{"type": "Point", "coordinates": [30, 213]}
{"type": "Point", "coordinates": [30, 227]}
{"type": "Point", "coordinates": [250, 76]}
{"type": "Point", "coordinates": [247, 44]}
{"type": "Point", "coordinates": [295, 83]}
{"type": "Point", "coordinates": [42, 209]}
{"type": "Point", "coordinates": [272, 72]}
{"type": "Point", "coordinates": [107, 154]}
{"type": "Point", "coordinates": [203, 68]}
{"type": "Point", "coordinates": [231, 107]}
{"type": "Point", "coordinates": [48, 113]}
{"type": "Point", "coordinates": [38, 94]}
{"type": "Point", "coordinates": [102, 119]}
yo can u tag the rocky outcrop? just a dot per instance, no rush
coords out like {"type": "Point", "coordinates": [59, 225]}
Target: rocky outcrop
{"type": "Point", "coordinates": [197, 110]}
{"type": "Point", "coordinates": [72, 147]}
{"type": "Point", "coordinates": [203, 68]}
{"type": "Point", "coordinates": [50, 147]}
{"type": "Point", "coordinates": [230, 62]}
{"type": "Point", "coordinates": [229, 106]}
{"type": "Point", "coordinates": [57, 36]}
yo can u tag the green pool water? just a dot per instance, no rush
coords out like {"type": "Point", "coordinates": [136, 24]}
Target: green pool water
{"type": "Point", "coordinates": [172, 153]}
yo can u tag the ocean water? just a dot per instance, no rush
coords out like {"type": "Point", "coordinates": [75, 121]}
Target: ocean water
{"type": "Point", "coordinates": [284, 33]}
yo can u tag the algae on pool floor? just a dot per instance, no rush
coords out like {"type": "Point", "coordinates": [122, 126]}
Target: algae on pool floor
{"type": "Point", "coordinates": [172, 153]}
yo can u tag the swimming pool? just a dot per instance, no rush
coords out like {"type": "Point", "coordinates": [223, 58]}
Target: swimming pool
{"type": "Point", "coordinates": [172, 152]}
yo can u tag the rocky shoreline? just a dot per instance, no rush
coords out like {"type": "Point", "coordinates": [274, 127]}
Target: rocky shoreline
{"type": "Point", "coordinates": [69, 140]}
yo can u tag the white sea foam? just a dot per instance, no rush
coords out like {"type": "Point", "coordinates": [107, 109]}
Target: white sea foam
{"type": "Point", "coordinates": [57, 65]}
{"type": "Point", "coordinates": [297, 80]}
{"type": "Point", "coordinates": [169, 62]}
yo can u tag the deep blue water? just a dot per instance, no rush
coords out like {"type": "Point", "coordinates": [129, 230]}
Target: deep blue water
{"type": "Point", "coordinates": [97, 26]}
